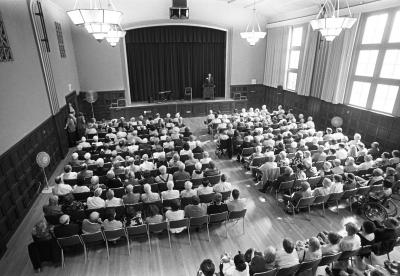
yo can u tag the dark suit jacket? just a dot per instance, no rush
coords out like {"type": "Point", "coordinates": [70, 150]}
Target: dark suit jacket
{"type": "Point", "coordinates": [215, 209]}
{"type": "Point", "coordinates": [68, 230]}
{"type": "Point", "coordinates": [197, 150]}
{"type": "Point", "coordinates": [113, 183]}
{"type": "Point", "coordinates": [100, 171]}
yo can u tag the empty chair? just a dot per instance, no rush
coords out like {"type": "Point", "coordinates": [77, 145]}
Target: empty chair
{"type": "Point", "coordinates": [91, 238]}
{"type": "Point", "coordinates": [208, 198]}
{"type": "Point", "coordinates": [198, 222]}
{"type": "Point", "coordinates": [329, 259]}
{"type": "Point", "coordinates": [112, 235]}
{"type": "Point", "coordinates": [69, 241]}
{"type": "Point", "coordinates": [226, 195]}
{"type": "Point", "coordinates": [138, 231]}
{"type": "Point", "coordinates": [82, 196]}
{"type": "Point", "coordinates": [180, 185]}
{"type": "Point", "coordinates": [284, 187]}
{"type": "Point", "coordinates": [174, 224]}
{"type": "Point", "coordinates": [314, 181]}
{"type": "Point", "coordinates": [158, 228]}
{"type": "Point", "coordinates": [219, 218]}
{"type": "Point", "coordinates": [215, 179]}
{"type": "Point", "coordinates": [197, 182]}
{"type": "Point", "coordinates": [311, 265]}
{"type": "Point", "coordinates": [288, 271]}
{"type": "Point", "coordinates": [237, 215]}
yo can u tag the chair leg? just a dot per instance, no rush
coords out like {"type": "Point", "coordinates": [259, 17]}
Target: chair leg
{"type": "Point", "coordinates": [128, 244]}
{"type": "Point", "coordinates": [188, 229]}
{"type": "Point", "coordinates": [243, 226]}
{"type": "Point", "coordinates": [226, 230]}
{"type": "Point", "coordinates": [337, 206]}
{"type": "Point", "coordinates": [108, 250]}
{"type": "Point", "coordinates": [169, 238]}
{"type": "Point", "coordinates": [351, 207]}
{"type": "Point", "coordinates": [85, 252]}
{"type": "Point", "coordinates": [62, 258]}
{"type": "Point", "coordinates": [148, 238]}
{"type": "Point", "coordinates": [323, 208]}
{"type": "Point", "coordinates": [208, 233]}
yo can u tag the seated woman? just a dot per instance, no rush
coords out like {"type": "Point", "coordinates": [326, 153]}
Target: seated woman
{"type": "Point", "coordinates": [110, 223]}
{"type": "Point", "coordinates": [197, 173]}
{"type": "Point", "coordinates": [377, 177]}
{"type": "Point", "coordinates": [191, 160]}
{"type": "Point", "coordinates": [154, 215]}
{"type": "Point", "coordinates": [395, 157]}
{"type": "Point", "coordinates": [312, 252]}
{"type": "Point", "coordinates": [217, 206]}
{"type": "Point", "coordinates": [174, 161]}
{"type": "Point", "coordinates": [349, 182]}
{"type": "Point", "coordinates": [235, 267]}
{"type": "Point", "coordinates": [329, 243]}
{"type": "Point", "coordinates": [147, 178]}
{"type": "Point", "coordinates": [112, 201]}
{"type": "Point", "coordinates": [188, 191]}
{"type": "Point", "coordinates": [304, 192]}
{"type": "Point", "coordinates": [164, 176]}
{"type": "Point", "coordinates": [211, 170]}
{"type": "Point", "coordinates": [283, 160]}
{"type": "Point", "coordinates": [350, 165]}
{"type": "Point", "coordinates": [324, 190]}
{"type": "Point", "coordinates": [206, 158]}
{"type": "Point", "coordinates": [390, 175]}
{"type": "Point", "coordinates": [186, 149]}
{"type": "Point", "coordinates": [205, 188]}
{"type": "Point", "coordinates": [175, 214]}
{"type": "Point", "coordinates": [148, 195]}
{"type": "Point", "coordinates": [270, 256]}
{"type": "Point", "coordinates": [337, 167]}
{"type": "Point", "coordinates": [288, 175]}
{"type": "Point", "coordinates": [326, 169]}
{"type": "Point", "coordinates": [170, 193]}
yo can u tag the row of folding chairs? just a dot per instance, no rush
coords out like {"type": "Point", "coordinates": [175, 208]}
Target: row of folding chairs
{"type": "Point", "coordinates": [145, 230]}
{"type": "Point", "coordinates": [335, 198]}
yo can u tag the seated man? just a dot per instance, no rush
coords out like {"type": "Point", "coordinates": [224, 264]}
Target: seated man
{"type": "Point", "coordinates": [130, 197]}
{"type": "Point", "coordinates": [223, 186]}
{"type": "Point", "coordinates": [148, 195]}
{"type": "Point", "coordinates": [287, 256]}
{"type": "Point", "coordinates": [170, 193]}
{"type": "Point", "coordinates": [52, 209]}
{"type": "Point", "coordinates": [181, 174]}
{"type": "Point", "coordinates": [93, 224]}
{"type": "Point", "coordinates": [60, 188]}
{"type": "Point", "coordinates": [110, 223]}
{"type": "Point", "coordinates": [66, 229]}
{"type": "Point", "coordinates": [236, 204]}
{"type": "Point", "coordinates": [95, 201]}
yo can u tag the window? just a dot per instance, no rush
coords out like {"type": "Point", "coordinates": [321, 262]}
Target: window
{"type": "Point", "coordinates": [294, 57]}
{"type": "Point", "coordinates": [60, 40]}
{"type": "Point", "coordinates": [375, 72]}
{"type": "Point", "coordinates": [5, 49]}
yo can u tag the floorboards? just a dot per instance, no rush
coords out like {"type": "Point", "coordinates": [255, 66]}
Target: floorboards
{"type": "Point", "coordinates": [265, 224]}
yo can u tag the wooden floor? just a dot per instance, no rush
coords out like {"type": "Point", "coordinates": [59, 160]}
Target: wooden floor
{"type": "Point", "coordinates": [266, 224]}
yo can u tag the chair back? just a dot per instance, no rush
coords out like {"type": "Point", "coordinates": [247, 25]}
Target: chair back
{"type": "Point", "coordinates": [215, 179]}
{"type": "Point", "coordinates": [349, 193]}
{"type": "Point", "coordinates": [190, 169]}
{"type": "Point", "coordinates": [286, 186]}
{"type": "Point", "coordinates": [71, 182]}
{"type": "Point", "coordinates": [247, 151]}
{"type": "Point", "coordinates": [328, 259]}
{"type": "Point", "coordinates": [82, 196]}
{"type": "Point", "coordinates": [118, 192]}
{"type": "Point", "coordinates": [321, 199]}
{"type": "Point", "coordinates": [335, 196]}
{"type": "Point", "coordinates": [376, 188]}
{"type": "Point", "coordinates": [237, 214]}
{"type": "Point", "coordinates": [89, 211]}
{"type": "Point", "coordinates": [305, 202]}
{"type": "Point", "coordinates": [69, 241]}
{"type": "Point", "coordinates": [308, 265]}
{"type": "Point", "coordinates": [162, 186]}
{"type": "Point", "coordinates": [347, 255]}
{"type": "Point", "coordinates": [180, 184]}
{"type": "Point", "coordinates": [257, 162]}
{"type": "Point", "coordinates": [137, 206]}
{"type": "Point", "coordinates": [217, 218]}
{"type": "Point", "coordinates": [183, 158]}
{"type": "Point", "coordinates": [365, 250]}
{"type": "Point", "coordinates": [198, 221]}
{"type": "Point", "coordinates": [207, 198]}
{"type": "Point", "coordinates": [198, 155]}
{"type": "Point", "coordinates": [167, 202]}
{"type": "Point", "coordinates": [362, 191]}
{"type": "Point", "coordinates": [92, 237]}
{"type": "Point", "coordinates": [136, 230]}
{"type": "Point", "coordinates": [288, 270]}
{"type": "Point", "coordinates": [226, 195]}
{"type": "Point", "coordinates": [114, 234]}
{"type": "Point", "coordinates": [53, 219]}
{"type": "Point", "coordinates": [157, 227]}
{"type": "Point", "coordinates": [197, 182]}
{"type": "Point", "coordinates": [314, 181]}
{"type": "Point", "coordinates": [178, 223]}
{"type": "Point", "coordinates": [154, 187]}
{"type": "Point", "coordinates": [266, 273]}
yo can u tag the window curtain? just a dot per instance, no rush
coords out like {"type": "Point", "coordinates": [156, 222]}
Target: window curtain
{"type": "Point", "coordinates": [275, 59]}
{"type": "Point", "coordinates": [337, 66]}
{"type": "Point", "coordinates": [307, 65]}
{"type": "Point", "coordinates": [174, 57]}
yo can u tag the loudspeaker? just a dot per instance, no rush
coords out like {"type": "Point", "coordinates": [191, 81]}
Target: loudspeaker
{"type": "Point", "coordinates": [178, 13]}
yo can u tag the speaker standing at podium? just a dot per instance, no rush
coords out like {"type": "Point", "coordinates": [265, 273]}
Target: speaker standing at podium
{"type": "Point", "coordinates": [208, 87]}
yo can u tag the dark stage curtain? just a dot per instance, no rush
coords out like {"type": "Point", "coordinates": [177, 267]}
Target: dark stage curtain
{"type": "Point", "coordinates": [174, 57]}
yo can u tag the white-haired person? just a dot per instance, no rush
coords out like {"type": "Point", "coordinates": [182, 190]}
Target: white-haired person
{"type": "Point", "coordinates": [206, 158]}
{"type": "Point", "coordinates": [350, 165]}
{"type": "Point", "coordinates": [95, 183]}
{"type": "Point", "coordinates": [65, 228]}
{"type": "Point", "coordinates": [93, 224]}
{"type": "Point", "coordinates": [175, 213]}
{"type": "Point", "coordinates": [174, 160]}
{"type": "Point", "coordinates": [148, 195]}
{"type": "Point", "coordinates": [130, 197]}
{"type": "Point", "coordinates": [146, 164]}
{"type": "Point", "coordinates": [87, 156]}
{"type": "Point", "coordinates": [337, 167]}
{"type": "Point", "coordinates": [100, 170]}
{"type": "Point", "coordinates": [95, 201]}
{"type": "Point", "coordinates": [181, 174]}
{"type": "Point", "coordinates": [367, 164]}
{"type": "Point", "coordinates": [197, 172]}
{"type": "Point", "coordinates": [164, 175]}
{"type": "Point", "coordinates": [188, 191]}
{"type": "Point", "coordinates": [96, 141]}
{"type": "Point", "coordinates": [324, 190]}
{"type": "Point", "coordinates": [356, 140]}
{"type": "Point", "coordinates": [112, 181]}
{"type": "Point", "coordinates": [75, 160]}
{"type": "Point", "coordinates": [84, 143]}
{"type": "Point", "coordinates": [111, 200]}
{"type": "Point", "coordinates": [170, 193]}
{"type": "Point", "coordinates": [223, 185]}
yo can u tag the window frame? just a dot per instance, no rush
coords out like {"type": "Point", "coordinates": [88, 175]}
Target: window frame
{"type": "Point", "coordinates": [382, 47]}
{"type": "Point", "coordinates": [289, 51]}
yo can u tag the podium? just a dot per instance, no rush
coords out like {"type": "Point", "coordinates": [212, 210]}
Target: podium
{"type": "Point", "coordinates": [208, 92]}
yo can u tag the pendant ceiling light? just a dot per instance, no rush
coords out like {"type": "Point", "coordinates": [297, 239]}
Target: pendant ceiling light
{"type": "Point", "coordinates": [253, 31]}
{"type": "Point", "coordinates": [101, 23]}
{"type": "Point", "coordinates": [329, 22]}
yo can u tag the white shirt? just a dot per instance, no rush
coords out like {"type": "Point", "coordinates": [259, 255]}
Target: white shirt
{"type": "Point", "coordinates": [222, 187]}
{"type": "Point", "coordinates": [341, 154]}
{"type": "Point", "coordinates": [147, 166]}
{"type": "Point", "coordinates": [170, 194]}
{"type": "Point", "coordinates": [70, 175]}
{"type": "Point", "coordinates": [62, 189]}
{"type": "Point", "coordinates": [175, 215]}
{"type": "Point", "coordinates": [114, 202]}
{"type": "Point", "coordinates": [95, 202]}
{"type": "Point", "coordinates": [337, 187]}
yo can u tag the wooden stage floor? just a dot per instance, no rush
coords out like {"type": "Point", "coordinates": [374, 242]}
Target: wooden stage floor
{"type": "Point", "coordinates": [266, 224]}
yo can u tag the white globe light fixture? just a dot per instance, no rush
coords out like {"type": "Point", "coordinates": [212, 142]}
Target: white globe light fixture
{"type": "Point", "coordinates": [253, 31]}
{"type": "Point", "coordinates": [329, 22]}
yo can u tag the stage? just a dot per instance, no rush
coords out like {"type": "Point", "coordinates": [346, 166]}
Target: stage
{"type": "Point", "coordinates": [194, 108]}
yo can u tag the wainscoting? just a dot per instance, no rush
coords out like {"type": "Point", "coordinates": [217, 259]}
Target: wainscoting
{"type": "Point", "coordinates": [372, 126]}
{"type": "Point", "coordinates": [20, 177]}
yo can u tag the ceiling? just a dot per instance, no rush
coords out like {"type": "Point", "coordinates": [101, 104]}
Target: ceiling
{"type": "Point", "coordinates": [270, 10]}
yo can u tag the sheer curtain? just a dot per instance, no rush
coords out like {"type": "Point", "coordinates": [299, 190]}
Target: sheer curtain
{"type": "Point", "coordinates": [338, 65]}
{"type": "Point", "coordinates": [275, 58]}
{"type": "Point", "coordinates": [306, 67]}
